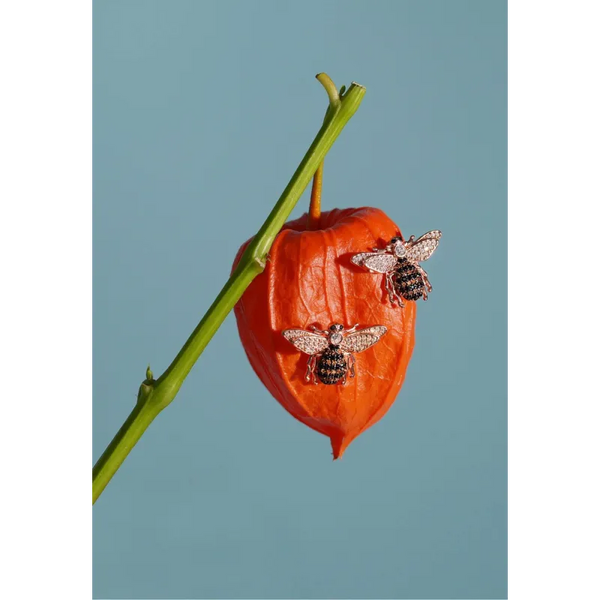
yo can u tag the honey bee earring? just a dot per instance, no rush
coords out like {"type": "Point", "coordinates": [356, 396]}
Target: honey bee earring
{"type": "Point", "coordinates": [332, 352]}
{"type": "Point", "coordinates": [399, 262]}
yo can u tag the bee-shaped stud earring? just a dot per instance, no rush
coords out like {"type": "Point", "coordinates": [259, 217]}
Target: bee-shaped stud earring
{"type": "Point", "coordinates": [331, 352]}
{"type": "Point", "coordinates": [399, 261]}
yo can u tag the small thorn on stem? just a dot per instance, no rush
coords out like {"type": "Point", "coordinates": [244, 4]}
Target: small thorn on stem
{"type": "Point", "coordinates": [149, 374]}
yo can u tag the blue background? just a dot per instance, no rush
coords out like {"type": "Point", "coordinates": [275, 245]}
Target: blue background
{"type": "Point", "coordinates": [202, 111]}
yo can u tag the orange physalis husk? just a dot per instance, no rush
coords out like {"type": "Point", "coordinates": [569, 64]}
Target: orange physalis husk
{"type": "Point", "coordinates": [309, 280]}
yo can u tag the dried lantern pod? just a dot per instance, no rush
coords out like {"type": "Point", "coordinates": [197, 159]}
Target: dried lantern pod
{"type": "Point", "coordinates": [311, 281]}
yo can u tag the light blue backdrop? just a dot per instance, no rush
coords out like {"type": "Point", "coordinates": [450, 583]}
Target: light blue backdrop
{"type": "Point", "coordinates": [202, 111]}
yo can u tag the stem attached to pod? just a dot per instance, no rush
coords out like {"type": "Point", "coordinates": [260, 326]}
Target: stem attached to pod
{"type": "Point", "coordinates": [314, 211]}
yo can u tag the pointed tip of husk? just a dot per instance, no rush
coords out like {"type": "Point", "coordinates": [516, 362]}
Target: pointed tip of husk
{"type": "Point", "coordinates": [339, 443]}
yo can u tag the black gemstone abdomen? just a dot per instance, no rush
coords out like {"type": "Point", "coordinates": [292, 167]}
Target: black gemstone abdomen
{"type": "Point", "coordinates": [408, 281]}
{"type": "Point", "coordinates": [331, 366]}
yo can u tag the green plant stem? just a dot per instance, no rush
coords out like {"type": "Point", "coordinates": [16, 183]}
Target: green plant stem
{"type": "Point", "coordinates": [155, 395]}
